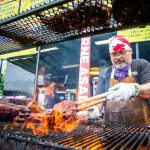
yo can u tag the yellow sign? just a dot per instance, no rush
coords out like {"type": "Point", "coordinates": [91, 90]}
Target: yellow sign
{"type": "Point", "coordinates": [18, 53]}
{"type": "Point", "coordinates": [30, 4]}
{"type": "Point", "coordinates": [136, 34]}
{"type": "Point", "coordinates": [94, 71]}
{"type": "Point", "coordinates": [4, 1]}
{"type": "Point", "coordinates": [25, 5]}
{"type": "Point", "coordinates": [9, 9]}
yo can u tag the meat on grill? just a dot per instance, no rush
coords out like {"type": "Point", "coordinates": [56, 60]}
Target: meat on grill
{"type": "Point", "coordinates": [66, 108]}
{"type": "Point", "coordinates": [65, 114]}
{"type": "Point", "coordinates": [62, 111]}
{"type": "Point", "coordinates": [34, 107]}
{"type": "Point", "coordinates": [9, 111]}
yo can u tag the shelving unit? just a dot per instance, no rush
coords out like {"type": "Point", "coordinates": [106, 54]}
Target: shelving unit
{"type": "Point", "coordinates": [61, 20]}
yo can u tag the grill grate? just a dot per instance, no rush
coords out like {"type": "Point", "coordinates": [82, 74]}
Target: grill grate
{"type": "Point", "coordinates": [64, 20]}
{"type": "Point", "coordinates": [86, 136]}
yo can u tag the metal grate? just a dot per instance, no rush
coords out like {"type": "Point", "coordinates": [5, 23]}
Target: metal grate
{"type": "Point", "coordinates": [69, 19]}
{"type": "Point", "coordinates": [92, 136]}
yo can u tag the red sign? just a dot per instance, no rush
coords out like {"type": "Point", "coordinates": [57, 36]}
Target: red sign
{"type": "Point", "coordinates": [84, 74]}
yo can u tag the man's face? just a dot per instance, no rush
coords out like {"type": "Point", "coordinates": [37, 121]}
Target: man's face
{"type": "Point", "coordinates": [121, 58]}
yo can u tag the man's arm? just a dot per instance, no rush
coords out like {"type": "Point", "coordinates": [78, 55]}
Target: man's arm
{"type": "Point", "coordinates": [145, 87]}
{"type": "Point", "coordinates": [145, 91]}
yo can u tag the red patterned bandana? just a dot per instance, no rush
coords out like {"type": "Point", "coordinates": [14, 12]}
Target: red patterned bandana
{"type": "Point", "coordinates": [118, 43]}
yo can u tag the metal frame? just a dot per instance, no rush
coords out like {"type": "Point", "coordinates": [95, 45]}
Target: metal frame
{"type": "Point", "coordinates": [63, 20]}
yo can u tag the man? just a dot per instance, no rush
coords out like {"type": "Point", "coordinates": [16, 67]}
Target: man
{"type": "Point", "coordinates": [41, 74]}
{"type": "Point", "coordinates": [130, 81]}
{"type": "Point", "coordinates": [51, 96]}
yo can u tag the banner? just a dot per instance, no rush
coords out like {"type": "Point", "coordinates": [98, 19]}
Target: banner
{"type": "Point", "coordinates": [84, 72]}
{"type": "Point", "coordinates": [2, 76]}
{"type": "Point", "coordinates": [136, 34]}
{"type": "Point", "coordinates": [9, 9]}
{"type": "Point", "coordinates": [18, 53]}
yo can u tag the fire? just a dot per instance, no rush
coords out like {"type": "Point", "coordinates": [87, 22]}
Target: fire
{"type": "Point", "coordinates": [34, 107]}
{"type": "Point", "coordinates": [62, 118]}
{"type": "Point", "coordinates": [38, 121]}
{"type": "Point", "coordinates": [65, 117]}
{"type": "Point", "coordinates": [42, 125]}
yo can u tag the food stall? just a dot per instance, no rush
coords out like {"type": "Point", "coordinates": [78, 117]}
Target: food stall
{"type": "Point", "coordinates": [55, 21]}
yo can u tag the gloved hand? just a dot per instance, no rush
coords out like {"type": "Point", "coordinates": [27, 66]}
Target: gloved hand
{"type": "Point", "coordinates": [93, 112]}
{"type": "Point", "coordinates": [124, 91]}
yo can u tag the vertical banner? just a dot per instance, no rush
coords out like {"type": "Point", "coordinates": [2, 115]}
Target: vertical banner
{"type": "Point", "coordinates": [84, 72]}
{"type": "Point", "coordinates": [2, 75]}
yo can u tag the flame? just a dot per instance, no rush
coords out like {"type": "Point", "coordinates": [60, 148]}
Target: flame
{"type": "Point", "coordinates": [34, 107]}
{"type": "Point", "coordinates": [65, 121]}
{"type": "Point", "coordinates": [42, 127]}
{"type": "Point", "coordinates": [40, 121]}
{"type": "Point", "coordinates": [58, 120]}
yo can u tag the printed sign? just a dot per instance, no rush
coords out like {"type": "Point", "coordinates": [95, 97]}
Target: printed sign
{"type": "Point", "coordinates": [84, 74]}
{"type": "Point", "coordinates": [31, 4]}
{"type": "Point", "coordinates": [136, 34]}
{"type": "Point", "coordinates": [9, 9]}
{"type": "Point", "coordinates": [25, 5]}
{"type": "Point", "coordinates": [4, 1]}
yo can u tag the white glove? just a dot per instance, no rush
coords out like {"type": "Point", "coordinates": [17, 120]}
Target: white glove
{"type": "Point", "coordinates": [124, 91]}
{"type": "Point", "coordinates": [93, 112]}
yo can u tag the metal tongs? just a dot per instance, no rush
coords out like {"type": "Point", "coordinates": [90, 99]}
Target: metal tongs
{"type": "Point", "coordinates": [92, 101]}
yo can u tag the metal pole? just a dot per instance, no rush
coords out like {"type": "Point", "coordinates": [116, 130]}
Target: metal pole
{"type": "Point", "coordinates": [37, 67]}
{"type": "Point", "coordinates": [137, 50]}
{"type": "Point", "coordinates": [1, 69]}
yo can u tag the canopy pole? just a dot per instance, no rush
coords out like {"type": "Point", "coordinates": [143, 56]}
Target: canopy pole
{"type": "Point", "coordinates": [37, 67]}
{"type": "Point", "coordinates": [137, 50]}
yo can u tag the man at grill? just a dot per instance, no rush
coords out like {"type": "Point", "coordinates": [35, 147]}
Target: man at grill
{"type": "Point", "coordinates": [51, 96]}
{"type": "Point", "coordinates": [130, 80]}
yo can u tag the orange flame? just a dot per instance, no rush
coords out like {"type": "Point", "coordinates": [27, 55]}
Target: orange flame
{"type": "Point", "coordinates": [41, 121]}
{"type": "Point", "coordinates": [58, 120]}
{"type": "Point", "coordinates": [34, 107]}
{"type": "Point", "coordinates": [42, 127]}
{"type": "Point", "coordinates": [65, 121]}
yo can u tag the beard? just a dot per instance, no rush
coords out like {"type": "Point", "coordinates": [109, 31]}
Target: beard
{"type": "Point", "coordinates": [120, 64]}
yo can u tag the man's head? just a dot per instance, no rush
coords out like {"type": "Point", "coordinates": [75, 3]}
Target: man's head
{"type": "Point", "coordinates": [120, 51]}
{"type": "Point", "coordinates": [42, 71]}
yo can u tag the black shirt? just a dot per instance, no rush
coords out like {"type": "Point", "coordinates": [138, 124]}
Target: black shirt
{"type": "Point", "coordinates": [141, 69]}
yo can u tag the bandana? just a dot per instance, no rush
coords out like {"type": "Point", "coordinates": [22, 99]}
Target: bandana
{"type": "Point", "coordinates": [120, 73]}
{"type": "Point", "coordinates": [118, 43]}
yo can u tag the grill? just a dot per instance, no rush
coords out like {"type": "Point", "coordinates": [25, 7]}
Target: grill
{"type": "Point", "coordinates": [61, 20]}
{"type": "Point", "coordinates": [92, 136]}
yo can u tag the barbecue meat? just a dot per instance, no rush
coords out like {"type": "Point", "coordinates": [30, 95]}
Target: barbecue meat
{"type": "Point", "coordinates": [9, 111]}
{"type": "Point", "coordinates": [65, 108]}
{"type": "Point", "coordinates": [34, 107]}
{"type": "Point", "coordinates": [65, 117]}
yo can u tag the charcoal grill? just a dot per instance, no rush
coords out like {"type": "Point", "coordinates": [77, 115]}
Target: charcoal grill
{"type": "Point", "coordinates": [92, 136]}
